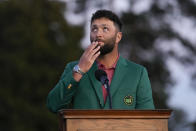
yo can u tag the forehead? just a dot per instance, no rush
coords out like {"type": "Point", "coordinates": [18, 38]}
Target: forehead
{"type": "Point", "coordinates": [102, 22]}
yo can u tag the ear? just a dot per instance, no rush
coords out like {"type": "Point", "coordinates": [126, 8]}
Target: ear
{"type": "Point", "coordinates": [118, 37]}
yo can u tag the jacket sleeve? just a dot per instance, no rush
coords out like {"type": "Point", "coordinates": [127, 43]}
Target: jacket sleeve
{"type": "Point", "coordinates": [144, 98]}
{"type": "Point", "coordinates": [61, 95]}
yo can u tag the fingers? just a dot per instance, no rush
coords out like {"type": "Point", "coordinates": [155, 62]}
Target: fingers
{"type": "Point", "coordinates": [89, 56]}
{"type": "Point", "coordinates": [92, 46]}
{"type": "Point", "coordinates": [95, 50]}
{"type": "Point", "coordinates": [94, 57]}
{"type": "Point", "coordinates": [92, 49]}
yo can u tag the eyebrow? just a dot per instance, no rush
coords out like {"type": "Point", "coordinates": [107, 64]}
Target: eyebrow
{"type": "Point", "coordinates": [95, 25]}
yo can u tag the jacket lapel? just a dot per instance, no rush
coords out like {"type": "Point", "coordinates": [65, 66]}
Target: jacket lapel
{"type": "Point", "coordinates": [96, 84]}
{"type": "Point", "coordinates": [118, 76]}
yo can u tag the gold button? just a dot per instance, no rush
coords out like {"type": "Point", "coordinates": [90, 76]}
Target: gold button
{"type": "Point", "coordinates": [69, 86]}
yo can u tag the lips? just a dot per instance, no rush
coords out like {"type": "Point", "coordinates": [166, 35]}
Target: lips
{"type": "Point", "coordinates": [101, 42]}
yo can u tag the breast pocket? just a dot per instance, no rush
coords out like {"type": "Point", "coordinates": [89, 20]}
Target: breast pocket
{"type": "Point", "coordinates": [124, 100]}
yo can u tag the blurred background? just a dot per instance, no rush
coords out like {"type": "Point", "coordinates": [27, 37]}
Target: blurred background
{"type": "Point", "coordinates": [39, 37]}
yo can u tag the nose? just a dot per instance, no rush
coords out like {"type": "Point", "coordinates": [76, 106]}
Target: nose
{"type": "Point", "coordinates": [99, 33]}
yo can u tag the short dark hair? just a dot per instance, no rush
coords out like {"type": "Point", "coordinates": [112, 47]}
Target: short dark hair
{"type": "Point", "coordinates": [109, 15]}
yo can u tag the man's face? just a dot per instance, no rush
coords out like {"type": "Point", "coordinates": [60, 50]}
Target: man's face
{"type": "Point", "coordinates": [104, 32]}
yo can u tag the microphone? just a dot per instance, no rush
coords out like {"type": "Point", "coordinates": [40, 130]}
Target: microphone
{"type": "Point", "coordinates": [102, 77]}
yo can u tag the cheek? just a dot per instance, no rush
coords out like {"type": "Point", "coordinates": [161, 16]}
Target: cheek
{"type": "Point", "coordinates": [92, 37]}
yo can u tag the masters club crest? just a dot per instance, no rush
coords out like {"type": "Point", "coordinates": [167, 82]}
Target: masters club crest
{"type": "Point", "coordinates": [128, 100]}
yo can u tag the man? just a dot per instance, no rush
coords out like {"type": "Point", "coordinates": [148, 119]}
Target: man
{"type": "Point", "coordinates": [79, 89]}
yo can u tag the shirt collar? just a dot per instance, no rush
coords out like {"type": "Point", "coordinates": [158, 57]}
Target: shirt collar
{"type": "Point", "coordinates": [101, 66]}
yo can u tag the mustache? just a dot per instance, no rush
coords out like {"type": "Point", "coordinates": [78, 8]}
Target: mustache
{"type": "Point", "coordinates": [99, 40]}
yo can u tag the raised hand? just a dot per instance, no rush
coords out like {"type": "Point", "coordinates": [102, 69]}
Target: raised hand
{"type": "Point", "coordinates": [89, 56]}
{"type": "Point", "coordinates": [87, 59]}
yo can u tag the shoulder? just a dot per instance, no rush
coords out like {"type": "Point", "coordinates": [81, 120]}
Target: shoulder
{"type": "Point", "coordinates": [132, 68]}
{"type": "Point", "coordinates": [132, 65]}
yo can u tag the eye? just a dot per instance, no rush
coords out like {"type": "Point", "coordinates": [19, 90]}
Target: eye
{"type": "Point", "coordinates": [93, 29]}
{"type": "Point", "coordinates": [105, 29]}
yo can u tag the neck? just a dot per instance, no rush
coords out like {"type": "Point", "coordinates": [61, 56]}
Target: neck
{"type": "Point", "coordinates": [109, 59]}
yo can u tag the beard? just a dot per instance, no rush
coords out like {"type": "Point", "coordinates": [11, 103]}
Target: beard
{"type": "Point", "coordinates": [107, 48]}
{"type": "Point", "coordinates": [108, 45]}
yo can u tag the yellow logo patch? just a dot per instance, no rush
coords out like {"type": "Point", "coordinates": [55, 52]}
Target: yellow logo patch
{"type": "Point", "coordinates": [128, 100]}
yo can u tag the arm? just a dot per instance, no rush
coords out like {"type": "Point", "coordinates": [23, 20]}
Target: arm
{"type": "Point", "coordinates": [144, 98]}
{"type": "Point", "coordinates": [61, 95]}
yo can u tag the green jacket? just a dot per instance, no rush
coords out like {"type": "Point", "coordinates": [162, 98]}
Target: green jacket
{"type": "Point", "coordinates": [130, 89]}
